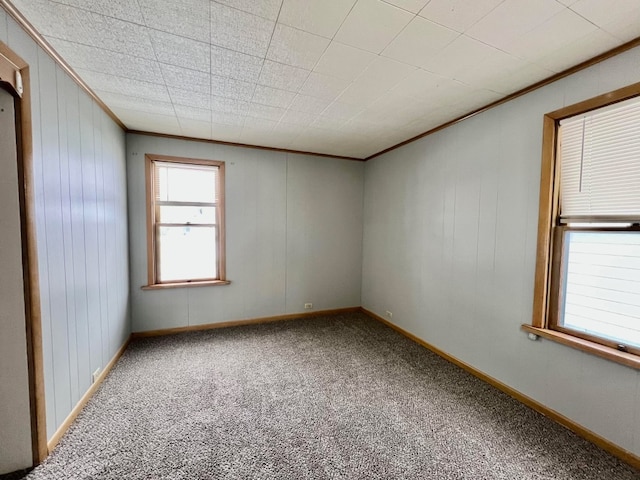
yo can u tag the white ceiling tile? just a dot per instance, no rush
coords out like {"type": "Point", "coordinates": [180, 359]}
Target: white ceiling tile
{"type": "Point", "coordinates": [240, 31]}
{"type": "Point", "coordinates": [259, 124]}
{"type": "Point", "coordinates": [228, 105]}
{"type": "Point", "coordinates": [520, 78]}
{"type": "Point", "coordinates": [458, 15]}
{"type": "Point", "coordinates": [118, 100]}
{"type": "Point", "coordinates": [195, 128]}
{"type": "Point", "coordinates": [288, 129]}
{"type": "Point", "coordinates": [322, 17]}
{"type": "Point", "coordinates": [488, 72]}
{"type": "Point", "coordinates": [475, 99]}
{"type": "Point", "coordinates": [126, 86]}
{"type": "Point", "coordinates": [341, 111]}
{"type": "Point", "coordinates": [256, 131]}
{"type": "Point", "coordinates": [283, 77]}
{"type": "Point", "coordinates": [623, 29]}
{"type": "Point", "coordinates": [180, 51]}
{"type": "Point", "coordinates": [191, 15]}
{"type": "Point", "coordinates": [323, 86]}
{"type": "Point", "coordinates": [372, 24]}
{"type": "Point", "coordinates": [105, 61]}
{"type": "Point", "coordinates": [273, 97]}
{"type": "Point", "coordinates": [241, 66]}
{"type": "Point", "coordinates": [296, 47]}
{"type": "Point", "coordinates": [343, 61]}
{"type": "Point", "coordinates": [620, 18]}
{"type": "Point", "coordinates": [301, 119]}
{"type": "Point", "coordinates": [225, 118]}
{"type": "Point", "coordinates": [564, 27]}
{"type": "Point", "coordinates": [231, 88]}
{"type": "Point", "coordinates": [461, 54]}
{"type": "Point", "coordinates": [137, 120]}
{"type": "Point", "coordinates": [153, 62]}
{"type": "Point", "coordinates": [418, 84]}
{"type": "Point", "coordinates": [512, 19]}
{"type": "Point", "coordinates": [307, 104]}
{"type": "Point", "coordinates": [189, 98]}
{"type": "Point", "coordinates": [192, 113]}
{"type": "Point", "coordinates": [225, 133]}
{"type": "Point", "coordinates": [328, 122]}
{"type": "Point", "coordinates": [419, 41]}
{"type": "Point", "coordinates": [265, 112]}
{"type": "Point", "coordinates": [264, 8]}
{"type": "Point", "coordinates": [255, 136]}
{"type": "Point", "coordinates": [122, 9]}
{"type": "Point", "coordinates": [186, 79]}
{"type": "Point", "coordinates": [413, 6]}
{"type": "Point", "coordinates": [379, 77]}
{"type": "Point", "coordinates": [362, 93]}
{"type": "Point", "coordinates": [603, 13]}
{"type": "Point", "coordinates": [585, 48]}
{"type": "Point", "coordinates": [88, 28]}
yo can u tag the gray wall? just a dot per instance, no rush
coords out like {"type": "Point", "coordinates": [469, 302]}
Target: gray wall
{"type": "Point", "coordinates": [450, 247]}
{"type": "Point", "coordinates": [15, 419]}
{"type": "Point", "coordinates": [294, 235]}
{"type": "Point", "coordinates": [80, 200]}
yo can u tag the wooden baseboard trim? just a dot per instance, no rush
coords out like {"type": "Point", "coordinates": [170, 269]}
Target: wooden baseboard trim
{"type": "Point", "coordinates": [578, 429]}
{"type": "Point", "coordinates": [62, 429]}
{"type": "Point", "coordinates": [237, 323]}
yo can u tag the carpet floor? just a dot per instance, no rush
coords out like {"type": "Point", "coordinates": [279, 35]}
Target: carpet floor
{"type": "Point", "coordinates": [336, 397]}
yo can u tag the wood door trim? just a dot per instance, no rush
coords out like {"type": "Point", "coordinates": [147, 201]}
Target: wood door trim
{"type": "Point", "coordinates": [31, 279]}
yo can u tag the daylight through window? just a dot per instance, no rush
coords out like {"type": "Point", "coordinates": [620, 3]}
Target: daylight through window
{"type": "Point", "coordinates": [185, 220]}
{"type": "Point", "coordinates": [593, 283]}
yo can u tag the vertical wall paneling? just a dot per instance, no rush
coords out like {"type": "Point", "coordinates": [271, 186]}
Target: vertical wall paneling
{"type": "Point", "coordinates": [294, 235]}
{"type": "Point", "coordinates": [463, 203]}
{"type": "Point", "coordinates": [54, 236]}
{"type": "Point", "coordinates": [90, 212]}
{"type": "Point", "coordinates": [29, 53]}
{"type": "Point", "coordinates": [77, 240]}
{"type": "Point", "coordinates": [81, 228]}
{"type": "Point", "coordinates": [67, 234]}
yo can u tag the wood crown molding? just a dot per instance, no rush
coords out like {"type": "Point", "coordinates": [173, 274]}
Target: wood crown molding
{"type": "Point", "coordinates": [243, 145]}
{"type": "Point", "coordinates": [615, 450]}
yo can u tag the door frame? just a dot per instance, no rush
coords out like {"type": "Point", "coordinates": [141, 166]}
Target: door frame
{"type": "Point", "coordinates": [14, 78]}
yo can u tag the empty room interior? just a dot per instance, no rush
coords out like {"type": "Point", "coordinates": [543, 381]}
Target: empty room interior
{"type": "Point", "coordinates": [320, 239]}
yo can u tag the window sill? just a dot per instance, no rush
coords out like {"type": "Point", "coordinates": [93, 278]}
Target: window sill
{"type": "Point", "coordinates": [628, 359]}
{"type": "Point", "coordinates": [207, 283]}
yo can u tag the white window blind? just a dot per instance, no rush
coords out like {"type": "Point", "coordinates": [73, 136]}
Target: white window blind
{"type": "Point", "coordinates": [600, 163]}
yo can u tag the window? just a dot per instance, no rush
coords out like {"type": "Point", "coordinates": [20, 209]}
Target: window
{"type": "Point", "coordinates": [587, 291]}
{"type": "Point", "coordinates": [185, 222]}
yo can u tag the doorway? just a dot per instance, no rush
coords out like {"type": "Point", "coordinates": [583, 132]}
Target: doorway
{"type": "Point", "coordinates": [22, 416]}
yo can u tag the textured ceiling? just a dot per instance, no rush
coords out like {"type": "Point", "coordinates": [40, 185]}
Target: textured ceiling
{"type": "Point", "coordinates": [340, 77]}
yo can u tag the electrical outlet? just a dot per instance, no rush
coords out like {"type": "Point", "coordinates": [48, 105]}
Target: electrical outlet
{"type": "Point", "coordinates": [95, 375]}
{"type": "Point", "coordinates": [389, 314]}
{"type": "Point", "coordinates": [308, 306]}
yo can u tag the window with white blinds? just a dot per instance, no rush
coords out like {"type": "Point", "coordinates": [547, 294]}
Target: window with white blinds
{"type": "Point", "coordinates": [597, 279]}
{"type": "Point", "coordinates": [599, 155]}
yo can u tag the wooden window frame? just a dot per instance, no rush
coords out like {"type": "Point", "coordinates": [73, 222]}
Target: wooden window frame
{"type": "Point", "coordinates": [152, 270]}
{"type": "Point", "coordinates": [549, 253]}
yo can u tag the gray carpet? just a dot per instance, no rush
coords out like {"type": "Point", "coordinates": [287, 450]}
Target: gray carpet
{"type": "Point", "coordinates": [340, 397]}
